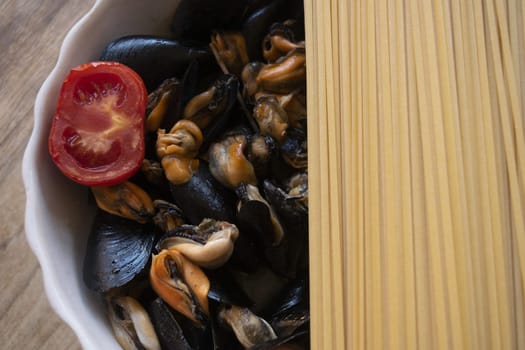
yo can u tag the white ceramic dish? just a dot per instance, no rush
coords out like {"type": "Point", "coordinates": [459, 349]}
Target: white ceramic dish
{"type": "Point", "coordinates": [58, 215]}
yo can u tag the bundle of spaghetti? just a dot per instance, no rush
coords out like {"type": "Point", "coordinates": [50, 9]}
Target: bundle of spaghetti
{"type": "Point", "coordinates": [416, 173]}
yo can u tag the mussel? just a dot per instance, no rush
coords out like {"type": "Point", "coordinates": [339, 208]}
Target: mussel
{"type": "Point", "coordinates": [294, 148]}
{"type": "Point", "coordinates": [178, 151]}
{"type": "Point", "coordinates": [230, 51]}
{"type": "Point", "coordinates": [258, 216]}
{"type": "Point", "coordinates": [168, 216]}
{"type": "Point", "coordinates": [228, 162]}
{"type": "Point", "coordinates": [131, 324]}
{"type": "Point", "coordinates": [204, 197]}
{"type": "Point", "coordinates": [287, 74]}
{"type": "Point", "coordinates": [291, 311]}
{"type": "Point", "coordinates": [211, 235]}
{"type": "Point", "coordinates": [249, 329]}
{"type": "Point", "coordinates": [292, 208]}
{"type": "Point", "coordinates": [181, 284]}
{"type": "Point", "coordinates": [208, 245]}
{"type": "Point", "coordinates": [213, 109]}
{"type": "Point", "coordinates": [118, 249]}
{"type": "Point", "coordinates": [271, 117]}
{"type": "Point", "coordinates": [126, 200]}
{"type": "Point", "coordinates": [168, 329]}
{"type": "Point", "coordinates": [155, 58]}
{"type": "Point", "coordinates": [256, 26]}
{"type": "Point", "coordinates": [162, 102]}
{"type": "Point", "coordinates": [279, 41]}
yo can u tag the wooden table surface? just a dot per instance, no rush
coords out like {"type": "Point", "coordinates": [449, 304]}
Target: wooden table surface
{"type": "Point", "coordinates": [31, 33]}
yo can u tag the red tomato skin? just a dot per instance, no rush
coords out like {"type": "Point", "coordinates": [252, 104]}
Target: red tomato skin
{"type": "Point", "coordinates": [97, 135]}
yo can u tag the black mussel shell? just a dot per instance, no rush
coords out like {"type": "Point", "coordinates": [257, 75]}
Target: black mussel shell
{"type": "Point", "coordinates": [198, 337]}
{"type": "Point", "coordinates": [254, 218]}
{"type": "Point", "coordinates": [291, 311]}
{"type": "Point", "coordinates": [225, 290]}
{"type": "Point", "coordinates": [171, 87]}
{"type": "Point", "coordinates": [261, 151]}
{"type": "Point", "coordinates": [224, 339]}
{"type": "Point", "coordinates": [175, 332]}
{"type": "Point", "coordinates": [289, 323]}
{"type": "Point", "coordinates": [221, 107]}
{"type": "Point", "coordinates": [297, 26]}
{"type": "Point", "coordinates": [169, 332]}
{"type": "Point", "coordinates": [258, 24]}
{"type": "Point", "coordinates": [255, 5]}
{"type": "Point", "coordinates": [296, 293]}
{"type": "Point", "coordinates": [189, 85]}
{"type": "Point", "coordinates": [171, 106]}
{"type": "Point", "coordinates": [118, 249]}
{"type": "Point", "coordinates": [293, 213]}
{"type": "Point", "coordinates": [204, 197]}
{"type": "Point", "coordinates": [287, 30]}
{"type": "Point", "coordinates": [152, 180]}
{"type": "Point", "coordinates": [245, 257]}
{"type": "Point", "coordinates": [262, 286]}
{"type": "Point", "coordinates": [294, 149]}
{"type": "Point", "coordinates": [194, 20]}
{"type": "Point", "coordinates": [281, 171]}
{"type": "Point", "coordinates": [155, 58]}
{"type": "Point", "coordinates": [294, 217]}
{"type": "Point", "coordinates": [296, 14]}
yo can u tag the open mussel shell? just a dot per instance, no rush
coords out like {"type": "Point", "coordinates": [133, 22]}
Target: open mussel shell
{"type": "Point", "coordinates": [261, 151]}
{"type": "Point", "coordinates": [124, 199]}
{"type": "Point", "coordinates": [249, 328]}
{"type": "Point", "coordinates": [294, 148]}
{"type": "Point", "coordinates": [209, 245]}
{"type": "Point", "coordinates": [289, 323]}
{"type": "Point", "coordinates": [178, 150]}
{"type": "Point", "coordinates": [294, 295]}
{"type": "Point", "coordinates": [117, 250]}
{"type": "Point", "coordinates": [258, 219]}
{"type": "Point", "coordinates": [291, 311]}
{"type": "Point", "coordinates": [294, 217]}
{"type": "Point", "coordinates": [262, 286]}
{"type": "Point", "coordinates": [256, 216]}
{"type": "Point", "coordinates": [292, 209]}
{"type": "Point", "coordinates": [168, 216]}
{"type": "Point", "coordinates": [131, 324]}
{"type": "Point", "coordinates": [213, 109]}
{"type": "Point", "coordinates": [225, 290]}
{"type": "Point", "coordinates": [181, 284]}
{"type": "Point", "coordinates": [204, 197]}
{"type": "Point", "coordinates": [245, 255]}
{"type": "Point", "coordinates": [177, 333]}
{"type": "Point", "coordinates": [286, 75]}
{"type": "Point", "coordinates": [169, 332]}
{"type": "Point", "coordinates": [229, 49]}
{"type": "Point", "coordinates": [279, 41]}
{"type": "Point", "coordinates": [155, 58]}
{"type": "Point", "coordinates": [271, 117]}
{"type": "Point", "coordinates": [228, 162]}
{"type": "Point", "coordinates": [257, 24]}
{"type": "Point", "coordinates": [164, 101]}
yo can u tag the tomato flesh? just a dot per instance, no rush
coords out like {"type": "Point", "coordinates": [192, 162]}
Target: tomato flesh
{"type": "Point", "coordinates": [97, 134]}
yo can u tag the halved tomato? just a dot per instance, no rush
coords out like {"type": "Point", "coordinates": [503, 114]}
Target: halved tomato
{"type": "Point", "coordinates": [97, 135]}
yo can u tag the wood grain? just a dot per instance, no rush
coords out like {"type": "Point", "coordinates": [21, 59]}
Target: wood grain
{"type": "Point", "coordinates": [30, 39]}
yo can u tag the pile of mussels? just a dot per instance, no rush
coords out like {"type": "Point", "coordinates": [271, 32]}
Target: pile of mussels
{"type": "Point", "coordinates": [207, 246]}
